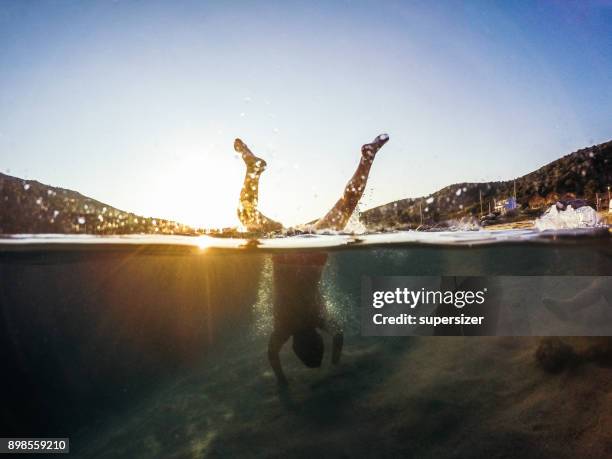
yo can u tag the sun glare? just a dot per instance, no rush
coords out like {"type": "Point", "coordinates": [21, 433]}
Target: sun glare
{"type": "Point", "coordinates": [203, 242]}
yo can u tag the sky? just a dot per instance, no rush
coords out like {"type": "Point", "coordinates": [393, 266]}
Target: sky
{"type": "Point", "coordinates": [137, 103]}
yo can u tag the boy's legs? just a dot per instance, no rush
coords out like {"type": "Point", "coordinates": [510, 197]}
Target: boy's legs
{"type": "Point", "coordinates": [335, 219]}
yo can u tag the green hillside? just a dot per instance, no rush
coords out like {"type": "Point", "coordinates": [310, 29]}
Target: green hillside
{"type": "Point", "coordinates": [582, 173]}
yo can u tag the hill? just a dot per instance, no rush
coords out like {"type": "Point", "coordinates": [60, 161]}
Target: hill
{"type": "Point", "coordinates": [582, 173]}
{"type": "Point", "coordinates": [27, 206]}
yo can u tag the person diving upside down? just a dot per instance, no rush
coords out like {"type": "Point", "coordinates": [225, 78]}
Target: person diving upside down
{"type": "Point", "coordinates": [299, 310]}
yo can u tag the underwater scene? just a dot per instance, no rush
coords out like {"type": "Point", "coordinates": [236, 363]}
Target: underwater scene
{"type": "Point", "coordinates": [137, 347]}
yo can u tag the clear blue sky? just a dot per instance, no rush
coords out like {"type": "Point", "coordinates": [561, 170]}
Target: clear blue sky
{"type": "Point", "coordinates": [136, 103]}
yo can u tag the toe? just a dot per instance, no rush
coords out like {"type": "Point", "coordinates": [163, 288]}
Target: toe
{"type": "Point", "coordinates": [382, 139]}
{"type": "Point", "coordinates": [238, 145]}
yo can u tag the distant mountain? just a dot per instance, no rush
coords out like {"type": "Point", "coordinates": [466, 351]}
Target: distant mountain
{"type": "Point", "coordinates": [582, 173]}
{"type": "Point", "coordinates": [27, 206]}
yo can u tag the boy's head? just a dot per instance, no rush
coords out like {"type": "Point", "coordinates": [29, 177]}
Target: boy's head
{"type": "Point", "coordinates": [308, 346]}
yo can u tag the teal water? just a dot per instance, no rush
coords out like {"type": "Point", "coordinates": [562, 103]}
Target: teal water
{"type": "Point", "coordinates": [155, 347]}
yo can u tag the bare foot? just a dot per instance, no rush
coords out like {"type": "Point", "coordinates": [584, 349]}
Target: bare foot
{"type": "Point", "coordinates": [248, 157]}
{"type": "Point", "coordinates": [369, 150]}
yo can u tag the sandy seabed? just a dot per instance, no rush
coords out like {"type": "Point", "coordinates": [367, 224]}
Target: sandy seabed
{"type": "Point", "coordinates": [403, 397]}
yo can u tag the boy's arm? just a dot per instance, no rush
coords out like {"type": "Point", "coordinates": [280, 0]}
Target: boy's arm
{"type": "Point", "coordinates": [333, 328]}
{"type": "Point", "coordinates": [337, 350]}
{"type": "Point", "coordinates": [274, 346]}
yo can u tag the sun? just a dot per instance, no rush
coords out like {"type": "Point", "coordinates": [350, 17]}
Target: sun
{"type": "Point", "coordinates": [200, 192]}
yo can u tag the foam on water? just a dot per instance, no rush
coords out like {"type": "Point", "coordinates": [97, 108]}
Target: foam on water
{"type": "Point", "coordinates": [305, 241]}
{"type": "Point", "coordinates": [583, 217]}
